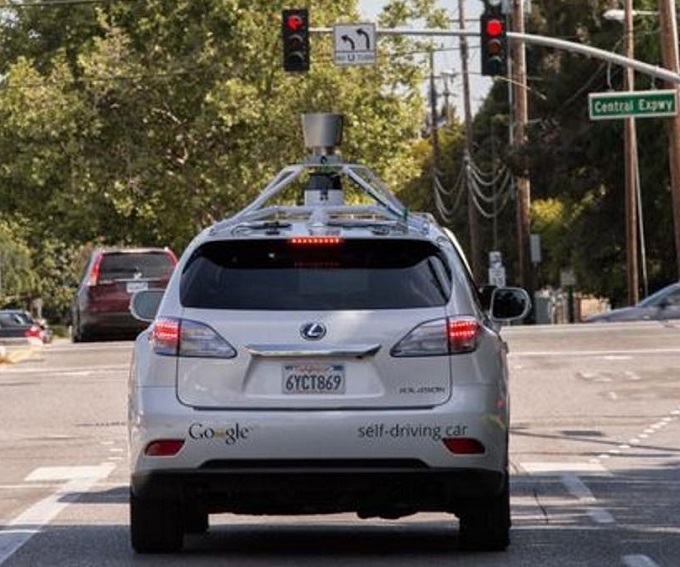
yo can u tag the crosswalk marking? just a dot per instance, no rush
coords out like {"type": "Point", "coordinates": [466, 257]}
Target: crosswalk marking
{"type": "Point", "coordinates": [30, 522]}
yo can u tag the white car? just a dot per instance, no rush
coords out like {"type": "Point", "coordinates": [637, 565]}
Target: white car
{"type": "Point", "coordinates": [321, 358]}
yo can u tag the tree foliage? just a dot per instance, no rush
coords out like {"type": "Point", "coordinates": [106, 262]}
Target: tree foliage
{"type": "Point", "coordinates": [580, 163]}
{"type": "Point", "coordinates": [576, 166]}
{"type": "Point", "coordinates": [140, 122]}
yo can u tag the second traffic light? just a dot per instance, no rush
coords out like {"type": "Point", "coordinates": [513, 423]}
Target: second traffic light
{"type": "Point", "coordinates": [295, 33]}
{"type": "Point", "coordinates": [494, 43]}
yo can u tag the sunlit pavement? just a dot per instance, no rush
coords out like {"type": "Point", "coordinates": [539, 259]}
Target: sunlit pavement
{"type": "Point", "coordinates": [11, 354]}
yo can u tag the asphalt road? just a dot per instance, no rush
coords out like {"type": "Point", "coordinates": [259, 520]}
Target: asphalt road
{"type": "Point", "coordinates": [595, 456]}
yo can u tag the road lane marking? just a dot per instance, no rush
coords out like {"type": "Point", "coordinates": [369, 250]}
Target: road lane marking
{"type": "Point", "coordinates": [574, 485]}
{"type": "Point", "coordinates": [561, 468]}
{"type": "Point", "coordinates": [600, 516]}
{"type": "Point", "coordinates": [30, 522]}
{"type": "Point", "coordinates": [67, 370]}
{"type": "Point", "coordinates": [577, 488]}
{"type": "Point", "coordinates": [602, 353]}
{"type": "Point", "coordinates": [638, 561]}
{"type": "Point", "coordinates": [68, 473]}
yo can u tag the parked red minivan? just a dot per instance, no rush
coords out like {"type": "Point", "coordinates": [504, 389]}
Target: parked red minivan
{"type": "Point", "coordinates": [101, 306]}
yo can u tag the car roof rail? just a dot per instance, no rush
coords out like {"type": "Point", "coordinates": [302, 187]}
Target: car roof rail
{"type": "Point", "coordinates": [386, 211]}
{"type": "Point", "coordinates": [324, 202]}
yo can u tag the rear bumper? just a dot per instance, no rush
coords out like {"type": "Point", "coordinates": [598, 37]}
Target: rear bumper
{"type": "Point", "coordinates": [377, 463]}
{"type": "Point", "coordinates": [381, 488]}
{"type": "Point", "coordinates": [110, 323]}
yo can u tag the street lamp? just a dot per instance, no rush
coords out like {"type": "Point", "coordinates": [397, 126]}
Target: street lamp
{"type": "Point", "coordinates": [616, 15]}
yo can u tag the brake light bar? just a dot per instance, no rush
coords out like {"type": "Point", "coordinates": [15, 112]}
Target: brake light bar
{"type": "Point", "coordinates": [315, 240]}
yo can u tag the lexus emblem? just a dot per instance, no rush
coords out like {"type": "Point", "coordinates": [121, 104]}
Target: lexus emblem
{"type": "Point", "coordinates": [313, 331]}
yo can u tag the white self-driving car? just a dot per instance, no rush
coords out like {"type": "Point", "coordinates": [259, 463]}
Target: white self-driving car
{"type": "Point", "coordinates": [321, 358]}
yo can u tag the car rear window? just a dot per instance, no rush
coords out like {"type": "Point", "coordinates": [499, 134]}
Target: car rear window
{"type": "Point", "coordinates": [132, 265]}
{"type": "Point", "coordinates": [280, 275]}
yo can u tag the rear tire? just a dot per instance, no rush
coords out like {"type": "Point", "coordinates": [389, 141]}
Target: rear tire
{"type": "Point", "coordinates": [156, 526]}
{"type": "Point", "coordinates": [77, 333]}
{"type": "Point", "coordinates": [485, 523]}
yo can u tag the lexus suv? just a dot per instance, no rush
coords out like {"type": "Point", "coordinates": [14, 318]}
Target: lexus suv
{"type": "Point", "coordinates": [101, 308]}
{"type": "Point", "coordinates": [321, 358]}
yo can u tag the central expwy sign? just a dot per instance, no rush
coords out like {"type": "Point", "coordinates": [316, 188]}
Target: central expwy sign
{"type": "Point", "coordinates": [636, 104]}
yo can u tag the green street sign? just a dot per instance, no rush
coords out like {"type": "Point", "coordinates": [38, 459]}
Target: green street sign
{"type": "Point", "coordinates": [635, 104]}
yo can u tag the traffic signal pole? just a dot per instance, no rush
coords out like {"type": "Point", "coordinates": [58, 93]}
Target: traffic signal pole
{"type": "Point", "coordinates": [669, 49]}
{"type": "Point", "coordinates": [630, 165]}
{"type": "Point", "coordinates": [520, 121]}
{"type": "Point", "coordinates": [473, 217]}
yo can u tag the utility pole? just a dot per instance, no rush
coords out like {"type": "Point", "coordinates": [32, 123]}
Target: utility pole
{"type": "Point", "coordinates": [473, 217]}
{"type": "Point", "coordinates": [630, 165]}
{"type": "Point", "coordinates": [520, 119]}
{"type": "Point", "coordinates": [668, 30]}
{"type": "Point", "coordinates": [434, 134]}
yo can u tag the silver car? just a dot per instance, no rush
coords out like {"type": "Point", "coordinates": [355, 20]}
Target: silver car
{"type": "Point", "coordinates": [321, 358]}
{"type": "Point", "coordinates": [663, 305]}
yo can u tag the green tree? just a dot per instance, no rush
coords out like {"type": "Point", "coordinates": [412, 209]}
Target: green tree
{"type": "Point", "coordinates": [18, 282]}
{"type": "Point", "coordinates": [577, 176]}
{"type": "Point", "coordinates": [142, 122]}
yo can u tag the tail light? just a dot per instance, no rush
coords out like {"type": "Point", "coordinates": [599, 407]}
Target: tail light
{"type": "Point", "coordinates": [180, 337]}
{"type": "Point", "coordinates": [94, 274]}
{"type": "Point", "coordinates": [171, 255]}
{"type": "Point", "coordinates": [463, 335]}
{"type": "Point", "coordinates": [34, 332]}
{"type": "Point", "coordinates": [440, 337]}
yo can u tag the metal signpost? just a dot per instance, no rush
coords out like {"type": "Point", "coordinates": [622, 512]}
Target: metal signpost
{"type": "Point", "coordinates": [636, 104]}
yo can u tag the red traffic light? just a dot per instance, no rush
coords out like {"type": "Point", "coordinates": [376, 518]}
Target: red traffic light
{"type": "Point", "coordinates": [294, 23]}
{"type": "Point", "coordinates": [295, 36]}
{"type": "Point", "coordinates": [494, 28]}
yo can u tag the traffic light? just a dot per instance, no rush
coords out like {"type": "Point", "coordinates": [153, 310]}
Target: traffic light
{"type": "Point", "coordinates": [494, 41]}
{"type": "Point", "coordinates": [295, 32]}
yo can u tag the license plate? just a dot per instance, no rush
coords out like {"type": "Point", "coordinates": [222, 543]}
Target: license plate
{"type": "Point", "coordinates": [132, 287]}
{"type": "Point", "coordinates": [313, 379]}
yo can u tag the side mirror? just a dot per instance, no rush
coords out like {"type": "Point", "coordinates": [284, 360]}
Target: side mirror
{"type": "Point", "coordinates": [509, 304]}
{"type": "Point", "coordinates": [144, 304]}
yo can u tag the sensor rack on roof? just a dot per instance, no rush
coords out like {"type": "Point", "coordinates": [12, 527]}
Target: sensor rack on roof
{"type": "Point", "coordinates": [387, 207]}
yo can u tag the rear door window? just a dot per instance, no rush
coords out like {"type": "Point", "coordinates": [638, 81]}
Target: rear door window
{"type": "Point", "coordinates": [135, 265]}
{"type": "Point", "coordinates": [280, 275]}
